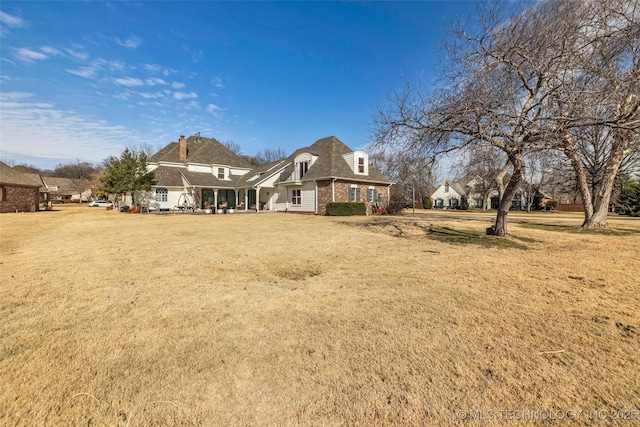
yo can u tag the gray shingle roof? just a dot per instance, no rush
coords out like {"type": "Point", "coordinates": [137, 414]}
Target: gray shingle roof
{"type": "Point", "coordinates": [10, 176]}
{"type": "Point", "coordinates": [331, 163]}
{"type": "Point", "coordinates": [167, 176]}
{"type": "Point", "coordinates": [201, 150]}
{"type": "Point", "coordinates": [263, 171]}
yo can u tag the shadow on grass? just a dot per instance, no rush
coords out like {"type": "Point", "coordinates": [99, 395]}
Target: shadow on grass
{"type": "Point", "coordinates": [454, 236]}
{"type": "Point", "coordinates": [471, 237]}
{"type": "Point", "coordinates": [575, 229]}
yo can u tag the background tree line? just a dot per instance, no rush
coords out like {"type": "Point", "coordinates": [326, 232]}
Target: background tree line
{"type": "Point", "coordinates": [559, 77]}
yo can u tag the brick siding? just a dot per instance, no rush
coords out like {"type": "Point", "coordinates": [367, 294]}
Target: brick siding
{"type": "Point", "coordinates": [21, 199]}
{"type": "Point", "coordinates": [342, 193]}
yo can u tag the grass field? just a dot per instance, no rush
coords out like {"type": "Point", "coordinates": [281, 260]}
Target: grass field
{"type": "Point", "coordinates": [279, 319]}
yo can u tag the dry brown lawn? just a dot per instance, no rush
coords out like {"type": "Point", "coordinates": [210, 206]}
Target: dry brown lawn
{"type": "Point", "coordinates": [115, 319]}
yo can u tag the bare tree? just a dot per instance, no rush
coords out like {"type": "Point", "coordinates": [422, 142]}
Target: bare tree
{"type": "Point", "coordinates": [81, 175]}
{"type": "Point", "coordinates": [269, 155]}
{"type": "Point", "coordinates": [538, 80]}
{"type": "Point", "coordinates": [233, 146]}
{"type": "Point", "coordinates": [493, 93]}
{"type": "Point", "coordinates": [485, 167]}
{"type": "Point", "coordinates": [407, 170]}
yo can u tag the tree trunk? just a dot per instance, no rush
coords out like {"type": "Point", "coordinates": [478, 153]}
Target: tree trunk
{"type": "Point", "coordinates": [485, 201]}
{"type": "Point", "coordinates": [581, 176]}
{"type": "Point", "coordinates": [602, 192]}
{"type": "Point", "coordinates": [500, 227]}
{"type": "Point", "coordinates": [500, 178]}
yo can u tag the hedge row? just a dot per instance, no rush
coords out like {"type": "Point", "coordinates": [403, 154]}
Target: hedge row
{"type": "Point", "coordinates": [346, 208]}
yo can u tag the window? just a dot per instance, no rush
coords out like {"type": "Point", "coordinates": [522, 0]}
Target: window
{"type": "Point", "coordinates": [446, 188]}
{"type": "Point", "coordinates": [304, 168]}
{"type": "Point", "coordinates": [161, 194]}
{"type": "Point", "coordinates": [296, 197]}
{"type": "Point", "coordinates": [371, 194]}
{"type": "Point", "coordinates": [220, 173]}
{"type": "Point", "coordinates": [354, 194]}
{"type": "Point", "coordinates": [360, 164]}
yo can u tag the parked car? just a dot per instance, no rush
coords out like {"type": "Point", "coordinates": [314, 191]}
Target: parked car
{"type": "Point", "coordinates": [100, 204]}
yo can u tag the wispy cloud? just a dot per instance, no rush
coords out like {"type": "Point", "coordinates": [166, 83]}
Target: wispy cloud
{"type": "Point", "coordinates": [214, 109]}
{"type": "Point", "coordinates": [217, 82]}
{"type": "Point", "coordinates": [24, 54]}
{"type": "Point", "coordinates": [130, 43]}
{"type": "Point", "coordinates": [129, 82]}
{"type": "Point", "coordinates": [177, 85]}
{"type": "Point", "coordinates": [54, 133]}
{"type": "Point", "coordinates": [48, 50]}
{"type": "Point", "coordinates": [10, 21]}
{"type": "Point", "coordinates": [155, 82]}
{"type": "Point", "coordinates": [184, 95]}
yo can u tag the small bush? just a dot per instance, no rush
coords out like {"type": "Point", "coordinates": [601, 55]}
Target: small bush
{"type": "Point", "coordinates": [464, 203]}
{"type": "Point", "coordinates": [346, 208]}
{"type": "Point", "coordinates": [427, 202]}
{"type": "Point", "coordinates": [551, 205]}
{"type": "Point", "coordinates": [629, 200]}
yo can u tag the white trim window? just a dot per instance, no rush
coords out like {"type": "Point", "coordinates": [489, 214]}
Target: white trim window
{"type": "Point", "coordinates": [296, 197]}
{"type": "Point", "coordinates": [220, 173]}
{"type": "Point", "coordinates": [162, 194]}
{"type": "Point", "coordinates": [354, 193]}
{"type": "Point", "coordinates": [372, 194]}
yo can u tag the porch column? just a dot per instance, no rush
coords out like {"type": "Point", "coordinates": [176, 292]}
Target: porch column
{"type": "Point", "coordinates": [246, 200]}
{"type": "Point", "coordinates": [257, 199]}
{"type": "Point", "coordinates": [215, 200]}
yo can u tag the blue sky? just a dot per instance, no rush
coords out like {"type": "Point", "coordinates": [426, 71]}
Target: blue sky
{"type": "Point", "coordinates": [83, 80]}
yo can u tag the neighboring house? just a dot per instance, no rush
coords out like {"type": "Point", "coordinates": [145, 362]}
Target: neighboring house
{"type": "Point", "coordinates": [449, 195]}
{"type": "Point", "coordinates": [18, 192]}
{"type": "Point", "coordinates": [201, 173]}
{"type": "Point", "coordinates": [65, 190]}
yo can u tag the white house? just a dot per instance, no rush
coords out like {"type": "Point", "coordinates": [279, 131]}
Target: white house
{"type": "Point", "coordinates": [448, 195]}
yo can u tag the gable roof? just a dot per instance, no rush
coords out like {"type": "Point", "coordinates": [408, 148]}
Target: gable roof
{"type": "Point", "coordinates": [167, 176]}
{"type": "Point", "coordinates": [208, 151]}
{"type": "Point", "coordinates": [260, 173]}
{"type": "Point", "coordinates": [10, 176]}
{"type": "Point", "coordinates": [331, 163]}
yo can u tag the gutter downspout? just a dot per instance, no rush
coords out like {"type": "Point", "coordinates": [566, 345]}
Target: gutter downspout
{"type": "Point", "coordinates": [333, 189]}
{"type": "Point", "coordinates": [315, 210]}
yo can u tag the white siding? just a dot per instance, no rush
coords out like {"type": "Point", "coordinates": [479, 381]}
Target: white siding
{"type": "Point", "coordinates": [236, 171]}
{"type": "Point", "coordinates": [445, 196]}
{"type": "Point", "coordinates": [200, 168]}
{"type": "Point", "coordinates": [352, 160]}
{"type": "Point", "coordinates": [308, 193]}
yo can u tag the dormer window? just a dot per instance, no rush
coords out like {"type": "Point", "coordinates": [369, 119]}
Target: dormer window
{"type": "Point", "coordinates": [358, 162]}
{"type": "Point", "coordinates": [220, 173]}
{"type": "Point", "coordinates": [304, 168]}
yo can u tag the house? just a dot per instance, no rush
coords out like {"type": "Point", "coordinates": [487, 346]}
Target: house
{"type": "Point", "coordinates": [324, 172]}
{"type": "Point", "coordinates": [195, 173]}
{"type": "Point", "coordinates": [18, 192]}
{"type": "Point", "coordinates": [201, 173]}
{"type": "Point", "coordinates": [449, 195]}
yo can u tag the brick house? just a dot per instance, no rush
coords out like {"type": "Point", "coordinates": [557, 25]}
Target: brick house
{"type": "Point", "coordinates": [18, 192]}
{"type": "Point", "coordinates": [203, 174]}
{"type": "Point", "coordinates": [326, 171]}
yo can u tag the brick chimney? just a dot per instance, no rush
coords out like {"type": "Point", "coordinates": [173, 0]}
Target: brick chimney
{"type": "Point", "coordinates": [182, 144]}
